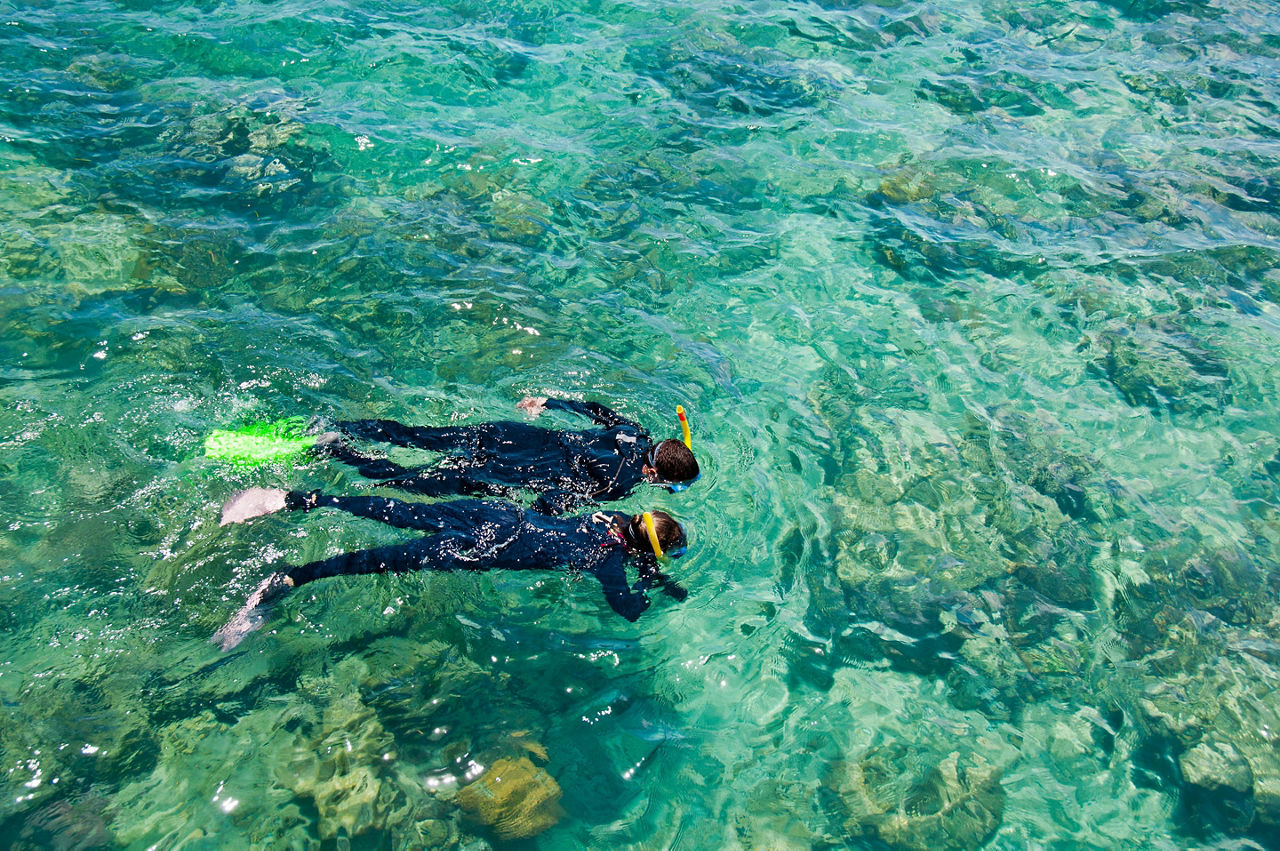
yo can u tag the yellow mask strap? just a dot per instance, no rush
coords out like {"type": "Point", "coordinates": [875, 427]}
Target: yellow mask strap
{"type": "Point", "coordinates": [684, 426]}
{"type": "Point", "coordinates": [653, 534]}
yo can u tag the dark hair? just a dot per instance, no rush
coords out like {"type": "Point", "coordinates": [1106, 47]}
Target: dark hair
{"type": "Point", "coordinates": [675, 462]}
{"type": "Point", "coordinates": [670, 533]}
{"type": "Point", "coordinates": [671, 538]}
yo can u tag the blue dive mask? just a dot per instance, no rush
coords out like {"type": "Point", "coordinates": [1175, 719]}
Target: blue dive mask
{"type": "Point", "coordinates": [676, 488]}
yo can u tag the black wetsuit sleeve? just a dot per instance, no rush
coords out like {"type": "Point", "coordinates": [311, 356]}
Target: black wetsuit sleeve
{"type": "Point", "coordinates": [559, 501]}
{"type": "Point", "coordinates": [628, 601]}
{"type": "Point", "coordinates": [597, 412]}
{"type": "Point", "coordinates": [393, 512]}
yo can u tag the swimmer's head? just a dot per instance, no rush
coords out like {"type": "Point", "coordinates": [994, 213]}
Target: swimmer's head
{"type": "Point", "coordinates": [671, 536]}
{"type": "Point", "coordinates": [639, 534]}
{"type": "Point", "coordinates": [670, 463]}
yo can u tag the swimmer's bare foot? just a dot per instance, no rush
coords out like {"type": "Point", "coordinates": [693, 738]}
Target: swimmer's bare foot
{"type": "Point", "coordinates": [532, 405]}
{"type": "Point", "coordinates": [251, 503]}
{"type": "Point", "coordinates": [252, 614]}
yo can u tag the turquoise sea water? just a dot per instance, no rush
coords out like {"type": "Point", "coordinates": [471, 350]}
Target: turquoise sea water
{"type": "Point", "coordinates": [975, 308]}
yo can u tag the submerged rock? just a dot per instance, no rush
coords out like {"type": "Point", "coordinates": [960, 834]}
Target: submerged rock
{"type": "Point", "coordinates": [990, 676]}
{"type": "Point", "coordinates": [938, 530]}
{"type": "Point", "coordinates": [335, 772]}
{"type": "Point", "coordinates": [65, 823]}
{"type": "Point", "coordinates": [1155, 367]}
{"type": "Point", "coordinates": [348, 801]}
{"type": "Point", "coordinates": [104, 715]}
{"type": "Point", "coordinates": [1266, 800]}
{"type": "Point", "coordinates": [204, 762]}
{"type": "Point", "coordinates": [514, 797]}
{"type": "Point", "coordinates": [955, 802]}
{"type": "Point", "coordinates": [1221, 784]}
{"type": "Point", "coordinates": [1219, 717]}
{"type": "Point", "coordinates": [1216, 766]}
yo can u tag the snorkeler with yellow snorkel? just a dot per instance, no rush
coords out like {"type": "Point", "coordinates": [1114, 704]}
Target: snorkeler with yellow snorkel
{"type": "Point", "coordinates": [567, 469]}
{"type": "Point", "coordinates": [474, 535]}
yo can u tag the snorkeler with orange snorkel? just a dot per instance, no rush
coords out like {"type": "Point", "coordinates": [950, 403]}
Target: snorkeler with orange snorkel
{"type": "Point", "coordinates": [567, 469]}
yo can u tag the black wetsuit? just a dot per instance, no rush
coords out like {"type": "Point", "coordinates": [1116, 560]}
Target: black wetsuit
{"type": "Point", "coordinates": [486, 535]}
{"type": "Point", "coordinates": [568, 469]}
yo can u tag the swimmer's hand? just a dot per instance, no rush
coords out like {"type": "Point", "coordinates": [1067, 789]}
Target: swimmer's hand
{"type": "Point", "coordinates": [251, 503]}
{"type": "Point", "coordinates": [675, 591]}
{"type": "Point", "coordinates": [671, 588]}
{"type": "Point", "coordinates": [532, 405]}
{"type": "Point", "coordinates": [665, 583]}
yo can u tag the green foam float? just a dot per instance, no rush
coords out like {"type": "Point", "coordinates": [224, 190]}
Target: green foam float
{"type": "Point", "coordinates": [260, 443]}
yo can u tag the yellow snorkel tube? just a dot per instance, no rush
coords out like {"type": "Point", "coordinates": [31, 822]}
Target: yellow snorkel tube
{"type": "Point", "coordinates": [653, 534]}
{"type": "Point", "coordinates": [669, 587]}
{"type": "Point", "coordinates": [684, 426]}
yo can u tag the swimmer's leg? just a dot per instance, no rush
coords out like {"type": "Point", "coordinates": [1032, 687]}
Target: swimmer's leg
{"type": "Point", "coordinates": [398, 558]}
{"type": "Point", "coordinates": [253, 613]}
{"type": "Point", "coordinates": [426, 480]}
{"type": "Point", "coordinates": [446, 481]}
{"type": "Point", "coordinates": [434, 553]}
{"type": "Point", "coordinates": [477, 441]}
{"type": "Point", "coordinates": [367, 465]}
{"type": "Point", "coordinates": [434, 517]}
{"type": "Point", "coordinates": [449, 551]}
{"type": "Point", "coordinates": [438, 439]}
{"type": "Point", "coordinates": [455, 515]}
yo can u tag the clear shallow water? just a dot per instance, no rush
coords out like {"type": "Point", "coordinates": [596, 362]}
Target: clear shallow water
{"type": "Point", "coordinates": [974, 309]}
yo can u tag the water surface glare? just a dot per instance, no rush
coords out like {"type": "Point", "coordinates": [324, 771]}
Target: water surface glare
{"type": "Point", "coordinates": [975, 309]}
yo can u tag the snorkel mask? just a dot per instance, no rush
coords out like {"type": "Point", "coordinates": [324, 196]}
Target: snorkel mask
{"type": "Point", "coordinates": [676, 488]}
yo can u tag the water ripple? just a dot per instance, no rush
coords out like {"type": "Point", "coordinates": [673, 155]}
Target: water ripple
{"type": "Point", "coordinates": [974, 311]}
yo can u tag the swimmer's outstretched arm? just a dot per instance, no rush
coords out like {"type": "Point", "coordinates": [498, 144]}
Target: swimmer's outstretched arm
{"type": "Point", "coordinates": [670, 587]}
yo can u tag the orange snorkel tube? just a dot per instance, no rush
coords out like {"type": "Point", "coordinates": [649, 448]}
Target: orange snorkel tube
{"type": "Point", "coordinates": [653, 534]}
{"type": "Point", "coordinates": [684, 426]}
